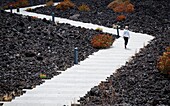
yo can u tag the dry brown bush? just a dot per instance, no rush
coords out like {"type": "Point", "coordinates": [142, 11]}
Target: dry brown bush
{"type": "Point", "coordinates": [50, 3]}
{"type": "Point", "coordinates": [84, 7]}
{"type": "Point", "coordinates": [121, 18]}
{"type": "Point", "coordinates": [121, 6]}
{"type": "Point", "coordinates": [66, 4]}
{"type": "Point", "coordinates": [129, 8]}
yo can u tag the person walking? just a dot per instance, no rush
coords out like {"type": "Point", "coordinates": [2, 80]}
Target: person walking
{"type": "Point", "coordinates": [126, 36]}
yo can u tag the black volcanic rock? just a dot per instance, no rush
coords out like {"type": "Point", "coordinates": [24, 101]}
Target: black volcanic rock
{"type": "Point", "coordinates": [30, 46]}
{"type": "Point", "coordinates": [156, 16]}
{"type": "Point", "coordinates": [30, 54]}
{"type": "Point", "coordinates": [138, 83]}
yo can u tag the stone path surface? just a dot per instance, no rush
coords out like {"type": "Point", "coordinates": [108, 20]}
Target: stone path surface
{"type": "Point", "coordinates": [76, 81]}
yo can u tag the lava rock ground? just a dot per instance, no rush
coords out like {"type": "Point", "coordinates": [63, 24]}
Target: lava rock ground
{"type": "Point", "coordinates": [150, 16]}
{"type": "Point", "coordinates": [30, 46]}
{"type": "Point", "coordinates": [5, 3]}
{"type": "Point", "coordinates": [138, 83]}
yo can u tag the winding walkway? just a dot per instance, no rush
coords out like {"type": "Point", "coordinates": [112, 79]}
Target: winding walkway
{"type": "Point", "coordinates": [76, 81]}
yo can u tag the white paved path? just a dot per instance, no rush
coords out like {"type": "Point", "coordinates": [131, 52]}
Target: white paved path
{"type": "Point", "coordinates": [74, 83]}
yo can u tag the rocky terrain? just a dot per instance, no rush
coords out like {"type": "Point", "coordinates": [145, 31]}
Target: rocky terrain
{"type": "Point", "coordinates": [4, 3]}
{"type": "Point", "coordinates": [138, 83]}
{"type": "Point", "coordinates": [150, 16]}
{"type": "Point", "coordinates": [30, 46]}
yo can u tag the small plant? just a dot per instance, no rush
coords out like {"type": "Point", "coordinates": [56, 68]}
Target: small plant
{"type": "Point", "coordinates": [121, 18]}
{"type": "Point", "coordinates": [64, 5]}
{"type": "Point", "coordinates": [23, 3]}
{"type": "Point", "coordinates": [5, 7]}
{"type": "Point", "coordinates": [19, 3]}
{"type": "Point", "coordinates": [102, 41]}
{"type": "Point", "coordinates": [129, 8]}
{"type": "Point", "coordinates": [168, 49]}
{"type": "Point", "coordinates": [163, 64]}
{"type": "Point", "coordinates": [43, 76]}
{"type": "Point", "coordinates": [29, 9]}
{"type": "Point", "coordinates": [121, 6]}
{"type": "Point", "coordinates": [84, 7]}
{"type": "Point", "coordinates": [113, 4]}
{"type": "Point", "coordinates": [7, 97]}
{"type": "Point", "coordinates": [34, 17]}
{"type": "Point", "coordinates": [13, 5]}
{"type": "Point", "coordinates": [49, 3]}
{"type": "Point", "coordinates": [99, 29]}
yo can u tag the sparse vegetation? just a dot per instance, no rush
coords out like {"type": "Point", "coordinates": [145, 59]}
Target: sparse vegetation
{"type": "Point", "coordinates": [64, 5]}
{"type": "Point", "coordinates": [102, 41]}
{"type": "Point", "coordinates": [99, 29]}
{"type": "Point", "coordinates": [49, 3]}
{"type": "Point", "coordinates": [121, 6]}
{"type": "Point", "coordinates": [121, 18]}
{"type": "Point", "coordinates": [84, 7]}
{"type": "Point", "coordinates": [164, 62]}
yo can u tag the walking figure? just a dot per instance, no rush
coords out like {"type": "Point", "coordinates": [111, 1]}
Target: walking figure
{"type": "Point", "coordinates": [126, 35]}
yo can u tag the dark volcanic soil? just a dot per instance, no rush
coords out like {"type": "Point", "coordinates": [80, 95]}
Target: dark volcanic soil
{"type": "Point", "coordinates": [150, 16]}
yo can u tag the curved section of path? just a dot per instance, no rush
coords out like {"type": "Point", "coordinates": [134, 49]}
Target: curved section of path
{"type": "Point", "coordinates": [74, 83]}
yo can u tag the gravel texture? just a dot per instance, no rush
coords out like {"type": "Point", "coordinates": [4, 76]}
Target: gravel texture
{"type": "Point", "coordinates": [30, 46]}
{"type": "Point", "coordinates": [150, 16]}
{"type": "Point", "coordinates": [138, 83]}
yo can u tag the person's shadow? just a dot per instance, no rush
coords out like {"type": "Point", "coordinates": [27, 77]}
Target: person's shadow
{"type": "Point", "coordinates": [127, 49]}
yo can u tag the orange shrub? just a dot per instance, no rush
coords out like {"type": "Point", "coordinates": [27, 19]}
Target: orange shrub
{"type": "Point", "coordinates": [84, 7]}
{"type": "Point", "coordinates": [168, 49]}
{"type": "Point", "coordinates": [126, 2]}
{"type": "Point", "coordinates": [13, 4]}
{"type": "Point", "coordinates": [34, 17]}
{"type": "Point", "coordinates": [66, 4]}
{"type": "Point", "coordinates": [129, 8]}
{"type": "Point", "coordinates": [121, 18]}
{"type": "Point", "coordinates": [102, 41]}
{"type": "Point", "coordinates": [50, 3]}
{"type": "Point", "coordinates": [119, 8]}
{"type": "Point", "coordinates": [19, 3]}
{"type": "Point", "coordinates": [23, 3]}
{"type": "Point", "coordinates": [163, 64]}
{"type": "Point", "coordinates": [112, 5]}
